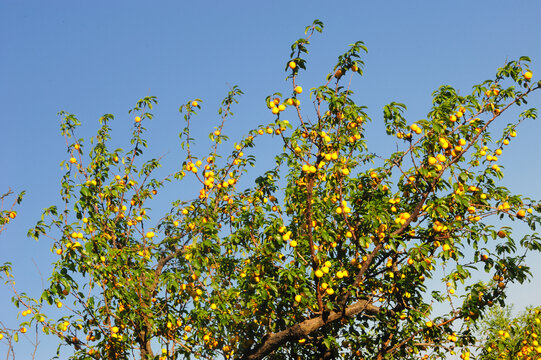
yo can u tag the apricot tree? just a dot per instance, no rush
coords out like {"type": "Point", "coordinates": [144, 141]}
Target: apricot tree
{"type": "Point", "coordinates": [508, 337]}
{"type": "Point", "coordinates": [334, 252]}
{"type": "Point", "coordinates": [7, 214]}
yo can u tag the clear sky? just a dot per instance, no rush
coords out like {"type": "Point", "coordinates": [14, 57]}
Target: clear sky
{"type": "Point", "coordinates": [97, 57]}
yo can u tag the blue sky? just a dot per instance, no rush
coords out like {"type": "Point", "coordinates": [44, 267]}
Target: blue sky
{"type": "Point", "coordinates": [91, 58]}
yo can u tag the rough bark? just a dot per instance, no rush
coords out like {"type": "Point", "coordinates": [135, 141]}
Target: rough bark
{"type": "Point", "coordinates": [274, 341]}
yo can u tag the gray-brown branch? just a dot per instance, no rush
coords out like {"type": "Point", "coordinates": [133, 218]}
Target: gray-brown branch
{"type": "Point", "coordinates": [274, 341]}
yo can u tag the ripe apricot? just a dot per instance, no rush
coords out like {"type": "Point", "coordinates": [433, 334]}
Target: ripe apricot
{"type": "Point", "coordinates": [330, 291]}
{"type": "Point", "coordinates": [194, 103]}
{"type": "Point", "coordinates": [528, 75]}
{"type": "Point", "coordinates": [137, 119]}
{"type": "Point", "coordinates": [292, 65]}
{"type": "Point", "coordinates": [298, 89]}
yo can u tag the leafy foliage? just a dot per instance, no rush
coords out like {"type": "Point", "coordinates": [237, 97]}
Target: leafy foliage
{"type": "Point", "coordinates": [508, 337]}
{"type": "Point", "coordinates": [327, 255]}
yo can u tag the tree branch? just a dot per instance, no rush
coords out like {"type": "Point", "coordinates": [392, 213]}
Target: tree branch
{"type": "Point", "coordinates": [274, 341]}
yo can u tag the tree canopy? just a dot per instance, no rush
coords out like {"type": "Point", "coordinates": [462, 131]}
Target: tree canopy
{"type": "Point", "coordinates": [504, 336]}
{"type": "Point", "coordinates": [334, 252]}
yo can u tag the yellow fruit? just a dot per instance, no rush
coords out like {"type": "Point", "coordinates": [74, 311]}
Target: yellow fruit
{"type": "Point", "coordinates": [137, 119]}
{"type": "Point", "coordinates": [429, 324]}
{"type": "Point", "coordinates": [292, 65]}
{"type": "Point", "coordinates": [330, 291]}
{"type": "Point", "coordinates": [521, 213]}
{"type": "Point", "coordinates": [59, 304]}
{"type": "Point", "coordinates": [298, 298]}
{"type": "Point", "coordinates": [150, 235]}
{"type": "Point", "coordinates": [293, 243]}
{"type": "Point", "coordinates": [298, 89]}
{"type": "Point", "coordinates": [324, 286]}
{"type": "Point", "coordinates": [194, 103]}
{"type": "Point", "coordinates": [115, 329]}
{"type": "Point", "coordinates": [319, 273]}
{"type": "Point", "coordinates": [444, 143]}
{"type": "Point", "coordinates": [528, 75]}
{"type": "Point", "coordinates": [73, 160]}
